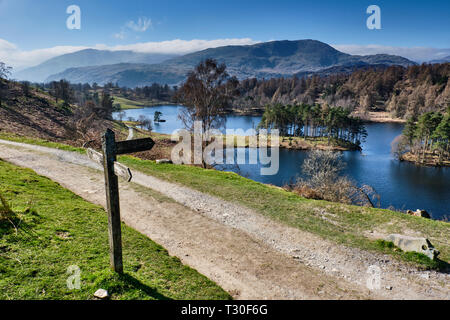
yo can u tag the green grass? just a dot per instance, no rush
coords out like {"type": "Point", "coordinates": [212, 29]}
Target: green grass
{"type": "Point", "coordinates": [128, 104]}
{"type": "Point", "coordinates": [55, 229]}
{"type": "Point", "coordinates": [345, 224]}
{"type": "Point", "coordinates": [133, 104]}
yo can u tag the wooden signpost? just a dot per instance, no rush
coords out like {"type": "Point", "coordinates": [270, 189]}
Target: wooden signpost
{"type": "Point", "coordinates": [112, 169]}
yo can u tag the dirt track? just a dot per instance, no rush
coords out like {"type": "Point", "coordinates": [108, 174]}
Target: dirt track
{"type": "Point", "coordinates": [250, 256]}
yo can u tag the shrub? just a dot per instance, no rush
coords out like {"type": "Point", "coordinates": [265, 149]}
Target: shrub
{"type": "Point", "coordinates": [323, 181]}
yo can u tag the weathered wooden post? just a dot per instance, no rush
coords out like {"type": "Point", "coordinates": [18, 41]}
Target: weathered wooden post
{"type": "Point", "coordinates": [112, 201]}
{"type": "Point", "coordinates": [112, 169]}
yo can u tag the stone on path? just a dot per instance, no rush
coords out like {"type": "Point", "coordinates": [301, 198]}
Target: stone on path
{"type": "Point", "coordinates": [101, 294]}
{"type": "Point", "coordinates": [408, 244]}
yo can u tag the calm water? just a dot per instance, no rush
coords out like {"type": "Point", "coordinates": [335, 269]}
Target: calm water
{"type": "Point", "coordinates": [401, 185]}
{"type": "Point", "coordinates": [170, 114]}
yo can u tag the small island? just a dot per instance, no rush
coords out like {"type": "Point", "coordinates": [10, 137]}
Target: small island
{"type": "Point", "coordinates": [426, 140]}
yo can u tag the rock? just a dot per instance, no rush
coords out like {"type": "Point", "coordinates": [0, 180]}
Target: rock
{"type": "Point", "coordinates": [419, 213]}
{"type": "Point", "coordinates": [411, 244]}
{"type": "Point", "coordinates": [425, 276]}
{"type": "Point", "coordinates": [422, 213]}
{"type": "Point", "coordinates": [101, 294]}
{"type": "Point", "coordinates": [164, 161]}
{"type": "Point", "coordinates": [388, 288]}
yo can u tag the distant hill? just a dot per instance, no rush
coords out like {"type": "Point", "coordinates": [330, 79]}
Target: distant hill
{"type": "Point", "coordinates": [84, 58]}
{"type": "Point", "coordinates": [262, 60]}
{"type": "Point", "coordinates": [443, 60]}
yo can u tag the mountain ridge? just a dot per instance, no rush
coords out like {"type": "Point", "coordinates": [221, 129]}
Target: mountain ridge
{"type": "Point", "coordinates": [84, 58]}
{"type": "Point", "coordinates": [268, 59]}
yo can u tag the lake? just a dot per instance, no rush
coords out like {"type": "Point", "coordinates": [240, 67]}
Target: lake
{"type": "Point", "coordinates": [401, 185]}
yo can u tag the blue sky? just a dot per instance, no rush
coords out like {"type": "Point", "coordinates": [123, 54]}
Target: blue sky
{"type": "Point", "coordinates": [29, 25]}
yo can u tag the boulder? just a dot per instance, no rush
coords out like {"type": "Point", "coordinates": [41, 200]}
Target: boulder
{"type": "Point", "coordinates": [163, 161]}
{"type": "Point", "coordinates": [419, 213]}
{"type": "Point", "coordinates": [422, 213]}
{"type": "Point", "coordinates": [101, 294]}
{"type": "Point", "coordinates": [412, 244]}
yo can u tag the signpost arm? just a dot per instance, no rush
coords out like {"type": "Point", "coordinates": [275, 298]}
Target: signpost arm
{"type": "Point", "coordinates": [112, 200]}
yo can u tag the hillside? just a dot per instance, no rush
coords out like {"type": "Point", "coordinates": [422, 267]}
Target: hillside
{"type": "Point", "coordinates": [263, 60]}
{"type": "Point", "coordinates": [402, 92]}
{"type": "Point", "coordinates": [87, 57]}
{"type": "Point", "coordinates": [30, 112]}
{"type": "Point", "coordinates": [35, 114]}
{"type": "Point", "coordinates": [442, 60]}
{"type": "Point", "coordinates": [125, 74]}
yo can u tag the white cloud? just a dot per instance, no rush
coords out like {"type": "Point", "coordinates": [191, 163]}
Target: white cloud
{"type": "Point", "coordinates": [418, 54]}
{"type": "Point", "coordinates": [141, 25]}
{"type": "Point", "coordinates": [178, 46]}
{"type": "Point", "coordinates": [21, 59]}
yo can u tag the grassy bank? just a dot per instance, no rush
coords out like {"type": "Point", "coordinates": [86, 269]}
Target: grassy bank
{"type": "Point", "coordinates": [55, 229]}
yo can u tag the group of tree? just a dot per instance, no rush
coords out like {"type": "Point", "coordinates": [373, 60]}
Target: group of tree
{"type": "Point", "coordinates": [429, 135]}
{"type": "Point", "coordinates": [313, 121]}
{"type": "Point", "coordinates": [61, 90]}
{"type": "Point", "coordinates": [154, 92]}
{"type": "Point", "coordinates": [403, 92]}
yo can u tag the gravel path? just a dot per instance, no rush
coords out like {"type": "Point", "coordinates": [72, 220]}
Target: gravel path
{"type": "Point", "coordinates": [249, 255]}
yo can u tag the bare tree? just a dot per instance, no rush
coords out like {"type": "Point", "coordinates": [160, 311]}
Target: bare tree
{"type": "Point", "coordinates": [5, 71]}
{"type": "Point", "coordinates": [324, 181]}
{"type": "Point", "coordinates": [145, 123]}
{"type": "Point", "coordinates": [206, 94]}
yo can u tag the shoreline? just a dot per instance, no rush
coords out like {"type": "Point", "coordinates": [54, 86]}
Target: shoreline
{"type": "Point", "coordinates": [378, 117]}
{"type": "Point", "coordinates": [373, 117]}
{"type": "Point", "coordinates": [433, 162]}
{"type": "Point", "coordinates": [289, 143]}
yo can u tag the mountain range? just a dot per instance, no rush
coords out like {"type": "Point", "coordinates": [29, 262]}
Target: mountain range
{"type": "Point", "coordinates": [262, 60]}
{"type": "Point", "coordinates": [442, 60]}
{"type": "Point", "coordinates": [84, 58]}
